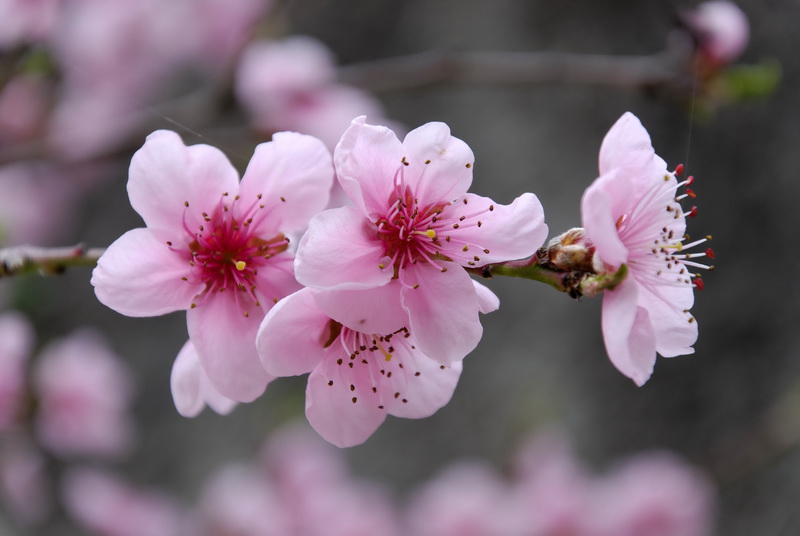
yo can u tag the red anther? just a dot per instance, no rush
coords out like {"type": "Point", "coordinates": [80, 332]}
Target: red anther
{"type": "Point", "coordinates": [698, 283]}
{"type": "Point", "coordinates": [679, 170]}
{"type": "Point", "coordinates": [689, 180]}
{"type": "Point", "coordinates": [692, 213]}
{"type": "Point", "coordinates": [690, 193]}
{"type": "Point", "coordinates": [710, 253]}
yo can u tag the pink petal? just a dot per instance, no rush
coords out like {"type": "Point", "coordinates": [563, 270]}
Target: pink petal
{"type": "Point", "coordinates": [674, 334]}
{"type": "Point", "coordinates": [443, 312]}
{"type": "Point", "coordinates": [139, 276]}
{"type": "Point", "coordinates": [225, 343]}
{"type": "Point", "coordinates": [341, 251]}
{"type": "Point", "coordinates": [627, 148]}
{"type": "Point", "coordinates": [488, 302]}
{"type": "Point", "coordinates": [294, 174]}
{"type": "Point", "coordinates": [275, 280]}
{"type": "Point", "coordinates": [292, 336]}
{"type": "Point", "coordinates": [431, 390]}
{"type": "Point", "coordinates": [628, 333]}
{"type": "Point", "coordinates": [191, 389]}
{"type": "Point", "coordinates": [440, 166]}
{"type": "Point", "coordinates": [366, 159]}
{"type": "Point", "coordinates": [333, 414]}
{"type": "Point", "coordinates": [599, 221]}
{"type": "Point", "coordinates": [165, 174]}
{"type": "Point", "coordinates": [375, 310]}
{"type": "Point", "coordinates": [509, 232]}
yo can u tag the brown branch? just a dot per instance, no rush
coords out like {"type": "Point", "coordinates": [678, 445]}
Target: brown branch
{"type": "Point", "coordinates": [30, 259]}
{"type": "Point", "coordinates": [516, 68]}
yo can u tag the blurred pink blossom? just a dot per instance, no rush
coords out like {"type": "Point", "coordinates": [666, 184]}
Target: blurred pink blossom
{"type": "Point", "coordinates": [362, 369]}
{"type": "Point", "coordinates": [466, 499]}
{"type": "Point", "coordinates": [551, 490]}
{"type": "Point", "coordinates": [16, 344]}
{"type": "Point", "coordinates": [214, 246]}
{"type": "Point", "coordinates": [410, 234]}
{"type": "Point", "coordinates": [291, 85]}
{"type": "Point", "coordinates": [191, 388]}
{"type": "Point", "coordinates": [118, 59]}
{"type": "Point", "coordinates": [85, 393]}
{"type": "Point", "coordinates": [238, 500]}
{"type": "Point", "coordinates": [35, 203]}
{"type": "Point", "coordinates": [27, 21]}
{"type": "Point", "coordinates": [653, 494]}
{"type": "Point", "coordinates": [105, 505]}
{"type": "Point", "coordinates": [721, 28]}
{"type": "Point", "coordinates": [24, 485]}
{"type": "Point", "coordinates": [318, 493]}
{"type": "Point", "coordinates": [23, 108]}
{"type": "Point", "coordinates": [633, 216]}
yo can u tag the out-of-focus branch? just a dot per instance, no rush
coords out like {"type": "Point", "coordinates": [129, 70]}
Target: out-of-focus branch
{"type": "Point", "coordinates": [29, 259]}
{"type": "Point", "coordinates": [517, 68]}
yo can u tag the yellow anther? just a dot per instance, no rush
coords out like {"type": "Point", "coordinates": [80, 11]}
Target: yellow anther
{"type": "Point", "coordinates": [240, 265]}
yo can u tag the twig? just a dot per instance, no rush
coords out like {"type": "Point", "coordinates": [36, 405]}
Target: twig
{"type": "Point", "coordinates": [516, 68]}
{"type": "Point", "coordinates": [30, 259]}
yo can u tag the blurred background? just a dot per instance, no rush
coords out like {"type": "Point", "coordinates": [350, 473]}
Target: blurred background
{"type": "Point", "coordinates": [732, 409]}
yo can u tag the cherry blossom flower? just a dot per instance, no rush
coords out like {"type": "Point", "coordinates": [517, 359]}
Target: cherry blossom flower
{"type": "Point", "coordinates": [25, 487]}
{"type": "Point", "coordinates": [85, 392]}
{"type": "Point", "coordinates": [191, 388]}
{"type": "Point", "coordinates": [414, 225]}
{"type": "Point", "coordinates": [466, 499]}
{"type": "Point", "coordinates": [633, 217]}
{"type": "Point", "coordinates": [237, 499]}
{"type": "Point", "coordinates": [363, 368]}
{"type": "Point", "coordinates": [291, 85]}
{"type": "Point", "coordinates": [27, 21]}
{"type": "Point", "coordinates": [626, 502]}
{"type": "Point", "coordinates": [721, 28]}
{"type": "Point", "coordinates": [551, 491]}
{"type": "Point", "coordinates": [104, 504]}
{"type": "Point", "coordinates": [213, 246]}
{"type": "Point", "coordinates": [16, 342]}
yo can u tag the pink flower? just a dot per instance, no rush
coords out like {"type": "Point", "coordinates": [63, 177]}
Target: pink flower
{"type": "Point", "coordinates": [552, 491]}
{"type": "Point", "coordinates": [632, 216]}
{"type": "Point", "coordinates": [27, 21]}
{"type": "Point", "coordinates": [85, 394]}
{"type": "Point", "coordinates": [16, 342]}
{"type": "Point", "coordinates": [191, 388]}
{"type": "Point", "coordinates": [214, 246]}
{"type": "Point", "coordinates": [25, 487]}
{"type": "Point", "coordinates": [291, 85]}
{"type": "Point", "coordinates": [721, 28]}
{"type": "Point", "coordinates": [412, 231]}
{"type": "Point", "coordinates": [238, 500]}
{"type": "Point", "coordinates": [103, 504]}
{"type": "Point", "coordinates": [363, 366]}
{"type": "Point", "coordinates": [627, 502]}
{"type": "Point", "coordinates": [467, 499]}
{"type": "Point", "coordinates": [36, 203]}
{"type": "Point", "coordinates": [23, 108]}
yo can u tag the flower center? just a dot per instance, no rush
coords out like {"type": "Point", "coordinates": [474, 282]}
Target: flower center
{"type": "Point", "coordinates": [223, 251]}
{"type": "Point", "coordinates": [666, 258]}
{"type": "Point", "coordinates": [373, 369]}
{"type": "Point", "coordinates": [408, 232]}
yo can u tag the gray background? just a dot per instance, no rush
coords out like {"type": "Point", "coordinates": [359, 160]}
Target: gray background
{"type": "Point", "coordinates": [541, 362]}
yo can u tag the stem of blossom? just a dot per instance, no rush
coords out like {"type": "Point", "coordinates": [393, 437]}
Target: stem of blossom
{"type": "Point", "coordinates": [529, 268]}
{"type": "Point", "coordinates": [519, 68]}
{"type": "Point", "coordinates": [576, 283]}
{"type": "Point", "coordinates": [29, 259]}
{"type": "Point", "coordinates": [591, 285]}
